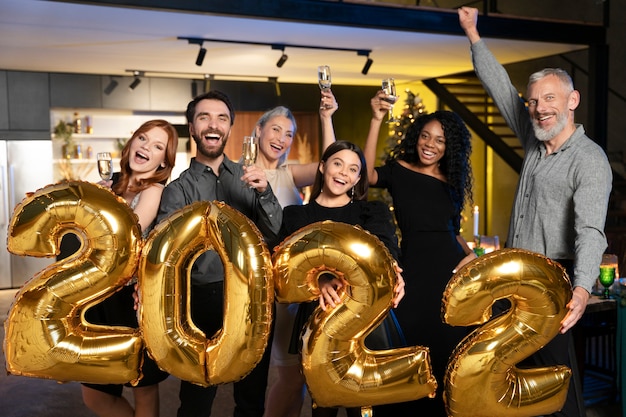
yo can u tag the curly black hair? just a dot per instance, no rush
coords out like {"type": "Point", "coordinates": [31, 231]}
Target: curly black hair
{"type": "Point", "coordinates": [455, 164]}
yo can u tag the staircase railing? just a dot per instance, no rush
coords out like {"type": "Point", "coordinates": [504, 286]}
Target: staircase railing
{"type": "Point", "coordinates": [500, 147]}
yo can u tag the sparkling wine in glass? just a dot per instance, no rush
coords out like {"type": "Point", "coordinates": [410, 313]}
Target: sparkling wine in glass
{"type": "Point", "coordinates": [105, 165]}
{"type": "Point", "coordinates": [250, 150]}
{"type": "Point", "coordinates": [323, 77]}
{"type": "Point", "coordinates": [389, 87]}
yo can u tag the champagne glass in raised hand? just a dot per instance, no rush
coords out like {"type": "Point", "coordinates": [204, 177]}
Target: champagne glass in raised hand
{"type": "Point", "coordinates": [323, 77]}
{"type": "Point", "coordinates": [105, 165]}
{"type": "Point", "coordinates": [389, 87]}
{"type": "Point", "coordinates": [324, 80]}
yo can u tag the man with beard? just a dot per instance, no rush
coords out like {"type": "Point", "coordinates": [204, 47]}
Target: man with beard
{"type": "Point", "coordinates": [212, 176]}
{"type": "Point", "coordinates": [562, 195]}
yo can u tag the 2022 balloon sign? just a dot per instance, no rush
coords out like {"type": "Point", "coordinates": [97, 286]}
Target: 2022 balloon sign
{"type": "Point", "coordinates": [47, 335]}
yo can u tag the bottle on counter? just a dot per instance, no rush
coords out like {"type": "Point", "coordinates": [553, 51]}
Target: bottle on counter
{"type": "Point", "coordinates": [88, 125]}
{"type": "Point", "coordinates": [78, 128]}
{"type": "Point", "coordinates": [89, 152]}
{"type": "Point", "coordinates": [78, 154]}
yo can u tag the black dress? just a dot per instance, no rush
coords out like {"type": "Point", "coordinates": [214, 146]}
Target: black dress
{"type": "Point", "coordinates": [429, 225]}
{"type": "Point", "coordinates": [118, 310]}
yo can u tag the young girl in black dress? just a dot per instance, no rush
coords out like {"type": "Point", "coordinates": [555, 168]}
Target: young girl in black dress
{"type": "Point", "coordinates": [339, 194]}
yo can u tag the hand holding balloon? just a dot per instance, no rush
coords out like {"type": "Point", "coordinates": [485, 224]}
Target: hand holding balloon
{"type": "Point", "coordinates": [47, 335]}
{"type": "Point", "coordinates": [538, 289]}
{"type": "Point", "coordinates": [338, 369]}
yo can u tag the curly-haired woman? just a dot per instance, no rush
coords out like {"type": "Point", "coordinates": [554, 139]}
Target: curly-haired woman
{"type": "Point", "coordinates": [429, 178]}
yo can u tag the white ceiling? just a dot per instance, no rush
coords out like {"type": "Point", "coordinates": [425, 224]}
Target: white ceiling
{"type": "Point", "coordinates": [65, 37]}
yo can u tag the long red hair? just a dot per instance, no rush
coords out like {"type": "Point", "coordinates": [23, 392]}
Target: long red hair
{"type": "Point", "coordinates": [162, 173]}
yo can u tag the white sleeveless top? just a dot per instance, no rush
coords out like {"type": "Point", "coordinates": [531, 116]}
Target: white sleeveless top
{"type": "Point", "coordinates": [284, 188]}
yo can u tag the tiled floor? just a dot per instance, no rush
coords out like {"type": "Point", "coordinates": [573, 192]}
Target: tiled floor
{"type": "Point", "coordinates": [30, 397]}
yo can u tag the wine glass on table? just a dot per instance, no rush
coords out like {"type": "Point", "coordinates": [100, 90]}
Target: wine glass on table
{"type": "Point", "coordinates": [389, 87]}
{"type": "Point", "coordinates": [607, 277]}
{"type": "Point", "coordinates": [324, 80]}
{"type": "Point", "coordinates": [105, 165]}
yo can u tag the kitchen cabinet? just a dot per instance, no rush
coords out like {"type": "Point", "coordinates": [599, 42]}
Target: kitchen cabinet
{"type": "Point", "coordinates": [4, 102]}
{"type": "Point", "coordinates": [170, 94]}
{"type": "Point", "coordinates": [75, 90]}
{"type": "Point", "coordinates": [29, 98]}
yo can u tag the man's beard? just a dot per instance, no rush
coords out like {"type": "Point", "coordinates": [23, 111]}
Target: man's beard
{"type": "Point", "coordinates": [209, 153]}
{"type": "Point", "coordinates": [546, 135]}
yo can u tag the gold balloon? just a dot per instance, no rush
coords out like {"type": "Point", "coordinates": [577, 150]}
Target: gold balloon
{"type": "Point", "coordinates": [482, 379]}
{"type": "Point", "coordinates": [46, 333]}
{"type": "Point", "coordinates": [338, 368]}
{"type": "Point", "coordinates": [171, 337]}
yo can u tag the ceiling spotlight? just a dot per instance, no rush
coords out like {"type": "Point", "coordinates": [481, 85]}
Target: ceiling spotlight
{"type": "Point", "coordinates": [283, 58]}
{"type": "Point", "coordinates": [136, 81]}
{"type": "Point", "coordinates": [367, 66]}
{"type": "Point", "coordinates": [368, 63]}
{"type": "Point", "coordinates": [201, 54]}
{"type": "Point", "coordinates": [111, 86]}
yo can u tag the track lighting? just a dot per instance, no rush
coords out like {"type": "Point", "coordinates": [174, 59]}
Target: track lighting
{"type": "Point", "coordinates": [283, 58]}
{"type": "Point", "coordinates": [201, 54]}
{"type": "Point", "coordinates": [368, 63]}
{"type": "Point", "coordinates": [111, 86]}
{"type": "Point", "coordinates": [136, 81]}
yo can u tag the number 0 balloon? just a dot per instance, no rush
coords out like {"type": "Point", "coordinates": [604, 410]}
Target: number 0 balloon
{"type": "Point", "coordinates": [175, 343]}
{"type": "Point", "coordinates": [481, 379]}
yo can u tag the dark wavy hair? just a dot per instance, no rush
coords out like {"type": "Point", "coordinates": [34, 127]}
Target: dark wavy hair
{"type": "Point", "coordinates": [162, 173]}
{"type": "Point", "coordinates": [360, 189]}
{"type": "Point", "coordinates": [455, 164]}
{"type": "Point", "coordinates": [209, 95]}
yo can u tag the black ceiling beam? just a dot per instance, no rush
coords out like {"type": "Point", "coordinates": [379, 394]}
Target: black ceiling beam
{"type": "Point", "coordinates": [377, 16]}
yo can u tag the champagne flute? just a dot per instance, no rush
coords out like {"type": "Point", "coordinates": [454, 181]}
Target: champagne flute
{"type": "Point", "coordinates": [389, 87]}
{"type": "Point", "coordinates": [105, 165]}
{"type": "Point", "coordinates": [323, 77]}
{"type": "Point", "coordinates": [250, 150]}
{"type": "Point", "coordinates": [324, 80]}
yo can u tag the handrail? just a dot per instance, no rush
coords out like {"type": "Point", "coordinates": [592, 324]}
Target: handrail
{"type": "Point", "coordinates": [503, 150]}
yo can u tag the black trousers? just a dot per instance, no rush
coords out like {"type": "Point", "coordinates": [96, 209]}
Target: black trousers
{"type": "Point", "coordinates": [207, 304]}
